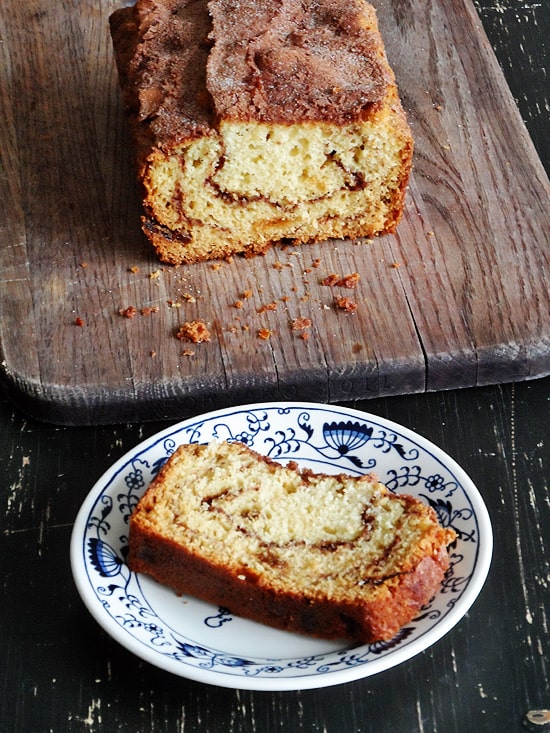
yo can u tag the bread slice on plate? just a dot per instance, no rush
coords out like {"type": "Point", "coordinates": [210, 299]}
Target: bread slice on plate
{"type": "Point", "coordinates": [330, 556]}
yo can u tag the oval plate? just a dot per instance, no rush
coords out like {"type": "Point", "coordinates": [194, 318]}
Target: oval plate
{"type": "Point", "coordinates": [193, 639]}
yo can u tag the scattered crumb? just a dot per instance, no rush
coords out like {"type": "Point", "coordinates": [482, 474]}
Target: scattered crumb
{"type": "Point", "coordinates": [330, 280]}
{"type": "Point", "coordinates": [194, 331]}
{"type": "Point", "coordinates": [154, 275]}
{"type": "Point", "coordinates": [174, 304]}
{"type": "Point", "coordinates": [430, 234]}
{"type": "Point", "coordinates": [152, 354]}
{"type": "Point", "coordinates": [247, 294]}
{"type": "Point", "coordinates": [349, 281]}
{"type": "Point", "coordinates": [395, 265]}
{"type": "Point", "coordinates": [345, 304]}
{"type": "Point", "coordinates": [128, 312]}
{"type": "Point", "coordinates": [84, 265]}
{"type": "Point", "coordinates": [134, 269]}
{"type": "Point", "coordinates": [316, 262]}
{"type": "Point", "coordinates": [300, 323]}
{"type": "Point", "coordinates": [188, 352]}
{"type": "Point", "coordinates": [79, 322]}
{"type": "Point", "coordinates": [356, 348]}
{"type": "Point", "coordinates": [268, 307]}
{"type": "Point", "coordinates": [215, 266]}
{"type": "Point", "coordinates": [264, 333]}
{"type": "Point", "coordinates": [344, 281]}
{"type": "Point", "coordinates": [151, 309]}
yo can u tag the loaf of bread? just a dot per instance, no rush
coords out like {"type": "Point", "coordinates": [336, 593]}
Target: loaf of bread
{"type": "Point", "coordinates": [256, 121]}
{"type": "Point", "coordinates": [329, 556]}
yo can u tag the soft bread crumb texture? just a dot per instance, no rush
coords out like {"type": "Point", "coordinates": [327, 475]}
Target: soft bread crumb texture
{"type": "Point", "coordinates": [227, 166]}
{"type": "Point", "coordinates": [328, 539]}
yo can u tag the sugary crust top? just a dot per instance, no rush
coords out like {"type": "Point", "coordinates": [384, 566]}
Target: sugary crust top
{"type": "Point", "coordinates": [290, 60]}
{"type": "Point", "coordinates": [161, 50]}
{"type": "Point", "coordinates": [186, 63]}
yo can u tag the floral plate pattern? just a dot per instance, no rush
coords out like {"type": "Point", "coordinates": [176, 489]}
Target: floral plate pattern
{"type": "Point", "coordinates": [196, 640]}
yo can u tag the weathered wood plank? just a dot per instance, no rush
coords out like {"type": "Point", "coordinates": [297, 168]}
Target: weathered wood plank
{"type": "Point", "coordinates": [457, 297]}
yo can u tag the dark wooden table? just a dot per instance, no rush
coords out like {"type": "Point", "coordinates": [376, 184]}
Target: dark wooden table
{"type": "Point", "coordinates": [61, 673]}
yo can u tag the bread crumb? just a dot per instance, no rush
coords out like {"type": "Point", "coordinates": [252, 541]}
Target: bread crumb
{"type": "Point", "coordinates": [134, 269]}
{"type": "Point", "coordinates": [194, 331]}
{"type": "Point", "coordinates": [79, 322]}
{"type": "Point", "coordinates": [264, 334]}
{"type": "Point", "coordinates": [148, 310]}
{"type": "Point", "coordinates": [342, 281]}
{"type": "Point", "coordinates": [300, 323]}
{"type": "Point", "coordinates": [128, 312]}
{"type": "Point", "coordinates": [268, 307]}
{"type": "Point", "coordinates": [345, 304]}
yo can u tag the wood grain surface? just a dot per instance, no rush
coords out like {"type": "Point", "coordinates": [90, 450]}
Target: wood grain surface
{"type": "Point", "coordinates": [60, 673]}
{"type": "Point", "coordinates": [458, 297]}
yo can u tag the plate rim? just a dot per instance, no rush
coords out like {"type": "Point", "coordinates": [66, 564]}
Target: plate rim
{"type": "Point", "coordinates": [294, 682]}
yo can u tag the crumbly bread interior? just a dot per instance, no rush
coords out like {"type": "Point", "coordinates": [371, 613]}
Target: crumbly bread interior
{"type": "Point", "coordinates": [255, 121]}
{"type": "Point", "coordinates": [330, 539]}
{"type": "Point", "coordinates": [252, 183]}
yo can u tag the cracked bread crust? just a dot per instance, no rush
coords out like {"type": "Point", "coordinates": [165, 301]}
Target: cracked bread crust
{"type": "Point", "coordinates": [329, 556]}
{"type": "Point", "coordinates": [260, 120]}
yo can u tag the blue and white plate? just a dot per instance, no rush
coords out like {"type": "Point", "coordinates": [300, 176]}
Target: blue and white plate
{"type": "Point", "coordinates": [206, 643]}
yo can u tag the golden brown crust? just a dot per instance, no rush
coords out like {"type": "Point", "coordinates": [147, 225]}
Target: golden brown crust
{"type": "Point", "coordinates": [388, 598]}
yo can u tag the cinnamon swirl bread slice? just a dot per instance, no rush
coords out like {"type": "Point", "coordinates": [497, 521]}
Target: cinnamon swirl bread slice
{"type": "Point", "coordinates": [330, 556]}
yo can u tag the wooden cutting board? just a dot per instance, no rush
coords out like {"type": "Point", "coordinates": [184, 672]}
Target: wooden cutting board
{"type": "Point", "coordinates": [458, 297]}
